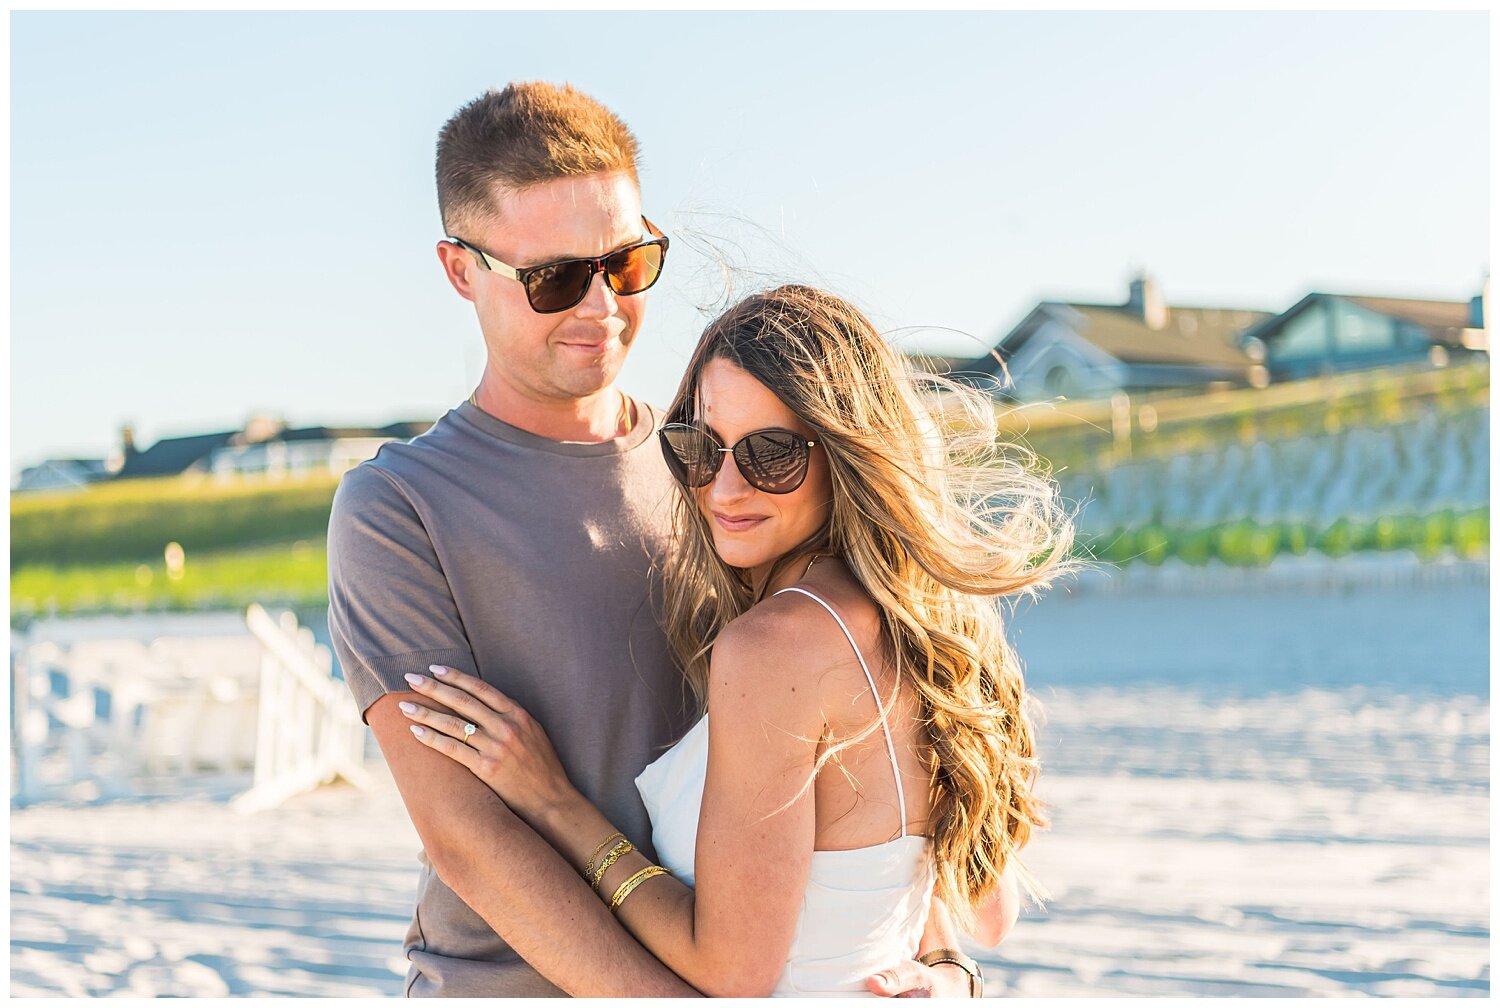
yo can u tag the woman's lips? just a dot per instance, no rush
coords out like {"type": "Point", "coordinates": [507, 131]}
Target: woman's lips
{"type": "Point", "coordinates": [741, 524]}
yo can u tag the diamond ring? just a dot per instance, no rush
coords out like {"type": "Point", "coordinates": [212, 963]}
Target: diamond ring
{"type": "Point", "coordinates": [469, 730]}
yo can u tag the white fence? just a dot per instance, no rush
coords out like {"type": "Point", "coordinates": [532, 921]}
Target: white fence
{"type": "Point", "coordinates": [1429, 463]}
{"type": "Point", "coordinates": [116, 706]}
{"type": "Point", "coordinates": [309, 730]}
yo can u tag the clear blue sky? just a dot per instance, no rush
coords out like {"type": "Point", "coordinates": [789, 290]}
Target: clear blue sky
{"type": "Point", "coordinates": [221, 214]}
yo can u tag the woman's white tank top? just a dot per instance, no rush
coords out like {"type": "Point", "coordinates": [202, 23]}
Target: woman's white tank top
{"type": "Point", "coordinates": [864, 910]}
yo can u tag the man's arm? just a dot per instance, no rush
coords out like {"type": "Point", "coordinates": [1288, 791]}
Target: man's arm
{"type": "Point", "coordinates": [912, 979]}
{"type": "Point", "coordinates": [997, 914]}
{"type": "Point", "coordinates": [511, 877]}
{"type": "Point", "coordinates": [995, 917]}
{"type": "Point", "coordinates": [391, 611]}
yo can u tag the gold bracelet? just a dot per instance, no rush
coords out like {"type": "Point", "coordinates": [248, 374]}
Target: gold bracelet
{"type": "Point", "coordinates": [588, 868]}
{"type": "Point", "coordinates": [616, 852]}
{"type": "Point", "coordinates": [628, 886]}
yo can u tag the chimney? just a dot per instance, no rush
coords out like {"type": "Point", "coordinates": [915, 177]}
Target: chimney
{"type": "Point", "coordinates": [261, 427]}
{"type": "Point", "coordinates": [127, 442]}
{"type": "Point", "coordinates": [1146, 301]}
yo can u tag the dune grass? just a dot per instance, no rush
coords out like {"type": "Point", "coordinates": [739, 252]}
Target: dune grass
{"type": "Point", "coordinates": [296, 573]}
{"type": "Point", "coordinates": [101, 549]}
{"type": "Point", "coordinates": [134, 520]}
{"type": "Point", "coordinates": [293, 574]}
{"type": "Point", "coordinates": [1246, 543]}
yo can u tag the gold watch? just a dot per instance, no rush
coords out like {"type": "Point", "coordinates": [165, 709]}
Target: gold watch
{"type": "Point", "coordinates": [963, 962]}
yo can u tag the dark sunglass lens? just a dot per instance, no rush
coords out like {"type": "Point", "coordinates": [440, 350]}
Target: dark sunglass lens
{"type": "Point", "coordinates": [773, 461]}
{"type": "Point", "coordinates": [558, 286]}
{"type": "Point", "coordinates": [633, 270]}
{"type": "Point", "coordinates": [691, 455]}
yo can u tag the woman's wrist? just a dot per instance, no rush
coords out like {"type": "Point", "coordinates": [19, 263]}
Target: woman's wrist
{"type": "Point", "coordinates": [560, 819]}
{"type": "Point", "coordinates": [575, 828]}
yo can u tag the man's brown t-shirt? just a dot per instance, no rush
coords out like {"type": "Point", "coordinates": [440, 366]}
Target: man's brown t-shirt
{"type": "Point", "coordinates": [533, 564]}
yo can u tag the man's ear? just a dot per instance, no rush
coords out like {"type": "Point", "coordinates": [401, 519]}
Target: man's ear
{"type": "Point", "coordinates": [459, 267]}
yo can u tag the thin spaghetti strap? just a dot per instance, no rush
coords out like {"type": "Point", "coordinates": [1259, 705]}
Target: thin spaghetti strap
{"type": "Point", "coordinates": [890, 746]}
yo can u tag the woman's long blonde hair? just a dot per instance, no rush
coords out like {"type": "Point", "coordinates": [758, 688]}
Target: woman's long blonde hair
{"type": "Point", "coordinates": [935, 518]}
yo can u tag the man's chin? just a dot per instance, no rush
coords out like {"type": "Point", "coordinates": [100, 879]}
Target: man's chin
{"type": "Point", "coordinates": [583, 382]}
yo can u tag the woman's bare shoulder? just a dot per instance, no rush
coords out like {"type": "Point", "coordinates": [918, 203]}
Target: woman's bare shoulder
{"type": "Point", "coordinates": [787, 629]}
{"type": "Point", "coordinates": [791, 641]}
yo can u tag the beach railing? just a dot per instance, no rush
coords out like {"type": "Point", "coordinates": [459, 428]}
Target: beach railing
{"type": "Point", "coordinates": [100, 705]}
{"type": "Point", "coordinates": [1428, 463]}
{"type": "Point", "coordinates": [118, 707]}
{"type": "Point", "coordinates": [309, 730]}
{"type": "Point", "coordinates": [55, 726]}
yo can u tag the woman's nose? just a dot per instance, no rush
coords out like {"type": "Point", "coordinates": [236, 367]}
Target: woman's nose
{"type": "Point", "coordinates": [729, 484]}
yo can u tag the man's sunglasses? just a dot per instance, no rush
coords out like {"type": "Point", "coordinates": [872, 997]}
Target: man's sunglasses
{"type": "Point", "coordinates": [771, 460]}
{"type": "Point", "coordinates": [558, 286]}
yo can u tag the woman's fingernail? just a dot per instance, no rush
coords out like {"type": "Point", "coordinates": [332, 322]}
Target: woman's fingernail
{"type": "Point", "coordinates": [417, 729]}
{"type": "Point", "coordinates": [407, 708]}
{"type": "Point", "coordinates": [437, 670]}
{"type": "Point", "coordinates": [414, 679]}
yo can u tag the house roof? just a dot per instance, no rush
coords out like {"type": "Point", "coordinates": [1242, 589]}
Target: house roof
{"type": "Point", "coordinates": [943, 364]}
{"type": "Point", "coordinates": [1432, 314]}
{"type": "Point", "coordinates": [1190, 335]}
{"type": "Point", "coordinates": [92, 464]}
{"type": "Point", "coordinates": [404, 429]}
{"type": "Point", "coordinates": [170, 456]}
{"type": "Point", "coordinates": [1443, 321]}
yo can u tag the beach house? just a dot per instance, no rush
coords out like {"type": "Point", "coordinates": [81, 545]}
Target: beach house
{"type": "Point", "coordinates": [1327, 333]}
{"type": "Point", "coordinates": [1082, 350]}
{"type": "Point", "coordinates": [265, 447]}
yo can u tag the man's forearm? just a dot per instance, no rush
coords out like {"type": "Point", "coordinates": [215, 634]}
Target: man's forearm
{"type": "Point", "coordinates": [942, 933]}
{"type": "Point", "coordinates": [524, 890]}
{"type": "Point", "coordinates": [511, 877]}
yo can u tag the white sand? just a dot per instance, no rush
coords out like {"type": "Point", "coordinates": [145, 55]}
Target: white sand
{"type": "Point", "coordinates": [1229, 836]}
{"type": "Point", "coordinates": [190, 898]}
{"type": "Point", "coordinates": [1191, 883]}
{"type": "Point", "coordinates": [1162, 885]}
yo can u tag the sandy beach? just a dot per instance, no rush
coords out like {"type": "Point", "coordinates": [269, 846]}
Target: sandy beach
{"type": "Point", "coordinates": [1306, 814]}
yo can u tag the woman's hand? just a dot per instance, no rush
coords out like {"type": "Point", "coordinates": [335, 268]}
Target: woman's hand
{"type": "Point", "coordinates": [492, 736]}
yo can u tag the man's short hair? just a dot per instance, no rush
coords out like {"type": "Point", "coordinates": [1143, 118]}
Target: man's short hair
{"type": "Point", "coordinates": [530, 132]}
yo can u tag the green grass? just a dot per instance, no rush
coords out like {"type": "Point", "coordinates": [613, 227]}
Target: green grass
{"type": "Point", "coordinates": [296, 574]}
{"type": "Point", "coordinates": [1078, 436]}
{"type": "Point", "coordinates": [1250, 544]}
{"type": "Point", "coordinates": [293, 574]}
{"type": "Point", "coordinates": [101, 549]}
{"type": "Point", "coordinates": [135, 519]}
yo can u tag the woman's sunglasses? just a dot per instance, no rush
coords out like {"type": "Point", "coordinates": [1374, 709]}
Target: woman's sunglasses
{"type": "Point", "coordinates": [772, 460]}
{"type": "Point", "coordinates": [558, 286]}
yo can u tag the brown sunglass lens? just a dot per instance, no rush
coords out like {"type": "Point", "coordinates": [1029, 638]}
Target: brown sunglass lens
{"type": "Point", "coordinates": [690, 454]}
{"type": "Point", "coordinates": [553, 288]}
{"type": "Point", "coordinates": [633, 270]}
{"type": "Point", "coordinates": [773, 461]}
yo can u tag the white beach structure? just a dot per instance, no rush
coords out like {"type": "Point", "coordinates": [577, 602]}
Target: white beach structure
{"type": "Point", "coordinates": [105, 707]}
{"type": "Point", "coordinates": [309, 731]}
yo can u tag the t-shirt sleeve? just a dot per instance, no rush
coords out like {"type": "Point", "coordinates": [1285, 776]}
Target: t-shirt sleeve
{"type": "Point", "coordinates": [390, 609]}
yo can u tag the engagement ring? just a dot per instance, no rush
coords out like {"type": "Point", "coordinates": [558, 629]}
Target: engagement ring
{"type": "Point", "coordinates": [469, 730]}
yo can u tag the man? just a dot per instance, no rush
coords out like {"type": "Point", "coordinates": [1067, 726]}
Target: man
{"type": "Point", "coordinates": [516, 541]}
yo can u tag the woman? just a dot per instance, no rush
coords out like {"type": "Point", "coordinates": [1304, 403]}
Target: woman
{"type": "Point", "coordinates": [831, 602]}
